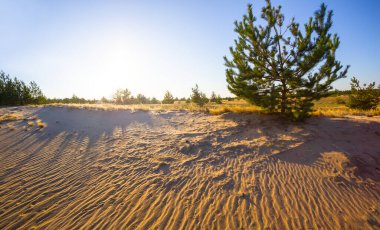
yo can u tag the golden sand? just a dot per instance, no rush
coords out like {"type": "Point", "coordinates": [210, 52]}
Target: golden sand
{"type": "Point", "coordinates": [89, 169]}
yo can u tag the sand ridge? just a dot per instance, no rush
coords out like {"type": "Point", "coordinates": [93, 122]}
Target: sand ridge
{"type": "Point", "coordinates": [178, 170]}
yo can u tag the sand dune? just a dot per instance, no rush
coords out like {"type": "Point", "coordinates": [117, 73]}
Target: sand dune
{"type": "Point", "coordinates": [178, 170]}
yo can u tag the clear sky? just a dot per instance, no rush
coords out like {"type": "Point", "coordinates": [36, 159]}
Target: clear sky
{"type": "Point", "coordinates": [91, 48]}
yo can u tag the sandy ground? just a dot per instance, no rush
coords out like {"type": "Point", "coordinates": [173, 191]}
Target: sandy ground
{"type": "Point", "coordinates": [178, 170]}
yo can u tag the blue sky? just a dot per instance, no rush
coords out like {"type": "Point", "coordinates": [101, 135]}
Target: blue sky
{"type": "Point", "coordinates": [91, 48]}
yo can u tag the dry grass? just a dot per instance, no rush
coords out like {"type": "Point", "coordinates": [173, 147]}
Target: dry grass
{"type": "Point", "coordinates": [137, 107]}
{"type": "Point", "coordinates": [235, 109]}
{"type": "Point", "coordinates": [30, 123]}
{"type": "Point", "coordinates": [236, 106]}
{"type": "Point", "coordinates": [329, 107]}
{"type": "Point", "coordinates": [10, 117]}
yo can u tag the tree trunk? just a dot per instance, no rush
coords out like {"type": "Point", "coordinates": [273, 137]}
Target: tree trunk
{"type": "Point", "coordinates": [283, 97]}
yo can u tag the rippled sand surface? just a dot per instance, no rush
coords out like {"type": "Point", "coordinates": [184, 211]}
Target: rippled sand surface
{"type": "Point", "coordinates": [92, 169]}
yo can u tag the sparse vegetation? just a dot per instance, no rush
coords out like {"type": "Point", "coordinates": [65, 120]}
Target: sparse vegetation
{"type": "Point", "coordinates": [284, 68]}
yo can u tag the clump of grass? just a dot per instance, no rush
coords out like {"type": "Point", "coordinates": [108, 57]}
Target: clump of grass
{"type": "Point", "coordinates": [11, 127]}
{"type": "Point", "coordinates": [10, 117]}
{"type": "Point", "coordinates": [41, 124]}
{"type": "Point", "coordinates": [30, 123]}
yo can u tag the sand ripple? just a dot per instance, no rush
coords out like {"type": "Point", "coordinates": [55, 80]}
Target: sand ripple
{"type": "Point", "coordinates": [187, 171]}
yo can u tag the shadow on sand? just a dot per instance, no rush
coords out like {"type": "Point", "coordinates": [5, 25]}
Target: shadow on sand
{"type": "Point", "coordinates": [357, 139]}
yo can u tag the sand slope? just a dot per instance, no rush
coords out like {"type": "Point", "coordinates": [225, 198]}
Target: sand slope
{"type": "Point", "coordinates": [178, 170]}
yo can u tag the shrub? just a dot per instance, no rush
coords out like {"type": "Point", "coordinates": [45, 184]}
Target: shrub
{"type": "Point", "coordinates": [365, 98]}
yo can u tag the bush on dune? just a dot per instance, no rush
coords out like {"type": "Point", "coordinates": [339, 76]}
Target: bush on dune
{"type": "Point", "coordinates": [364, 97]}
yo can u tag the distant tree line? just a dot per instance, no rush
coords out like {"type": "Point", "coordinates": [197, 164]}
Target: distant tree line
{"type": "Point", "coordinates": [125, 97]}
{"type": "Point", "coordinates": [72, 100]}
{"type": "Point", "coordinates": [16, 92]}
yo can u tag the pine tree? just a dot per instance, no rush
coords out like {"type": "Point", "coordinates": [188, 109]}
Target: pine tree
{"type": "Point", "coordinates": [198, 97]}
{"type": "Point", "coordinates": [142, 99]}
{"type": "Point", "coordinates": [215, 98]}
{"type": "Point", "coordinates": [283, 68]}
{"type": "Point", "coordinates": [123, 97]}
{"type": "Point", "coordinates": [104, 100]}
{"type": "Point", "coordinates": [218, 99]}
{"type": "Point", "coordinates": [168, 98]}
{"type": "Point", "coordinates": [36, 93]}
{"type": "Point", "coordinates": [154, 101]}
{"type": "Point", "coordinates": [16, 92]}
{"type": "Point", "coordinates": [365, 98]}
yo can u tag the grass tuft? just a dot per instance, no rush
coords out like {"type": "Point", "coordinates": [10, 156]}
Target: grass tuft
{"type": "Point", "coordinates": [10, 117]}
{"type": "Point", "coordinates": [41, 124]}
